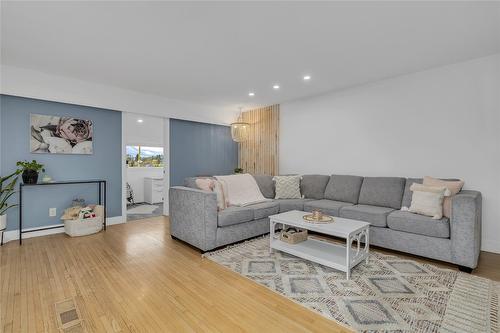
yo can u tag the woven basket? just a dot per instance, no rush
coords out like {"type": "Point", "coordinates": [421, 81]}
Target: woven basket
{"type": "Point", "coordinates": [83, 227]}
{"type": "Point", "coordinates": [293, 237]}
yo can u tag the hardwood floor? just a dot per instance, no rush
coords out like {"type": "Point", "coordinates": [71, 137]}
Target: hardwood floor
{"type": "Point", "coordinates": [135, 278]}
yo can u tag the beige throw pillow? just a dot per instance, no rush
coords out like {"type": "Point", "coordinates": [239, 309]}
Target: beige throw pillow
{"type": "Point", "coordinates": [287, 187]}
{"type": "Point", "coordinates": [428, 200]}
{"type": "Point", "coordinates": [453, 185]}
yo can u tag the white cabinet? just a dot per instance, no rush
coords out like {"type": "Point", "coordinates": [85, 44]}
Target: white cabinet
{"type": "Point", "coordinates": [153, 190]}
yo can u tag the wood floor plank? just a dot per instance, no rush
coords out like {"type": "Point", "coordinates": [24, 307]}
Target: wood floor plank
{"type": "Point", "coordinates": [135, 278]}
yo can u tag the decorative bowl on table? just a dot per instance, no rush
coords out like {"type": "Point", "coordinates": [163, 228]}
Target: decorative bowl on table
{"type": "Point", "coordinates": [317, 216]}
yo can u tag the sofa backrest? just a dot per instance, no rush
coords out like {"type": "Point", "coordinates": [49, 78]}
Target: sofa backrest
{"type": "Point", "coordinates": [266, 185]}
{"type": "Point", "coordinates": [313, 186]}
{"type": "Point", "coordinates": [382, 191]}
{"type": "Point", "coordinates": [407, 195]}
{"type": "Point", "coordinates": [343, 188]}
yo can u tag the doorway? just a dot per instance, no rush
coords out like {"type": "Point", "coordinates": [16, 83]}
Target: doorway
{"type": "Point", "coordinates": [145, 165]}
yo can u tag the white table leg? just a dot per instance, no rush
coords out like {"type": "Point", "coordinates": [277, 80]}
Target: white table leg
{"type": "Point", "coordinates": [271, 235]}
{"type": "Point", "coordinates": [367, 244]}
{"type": "Point", "coordinates": [348, 257]}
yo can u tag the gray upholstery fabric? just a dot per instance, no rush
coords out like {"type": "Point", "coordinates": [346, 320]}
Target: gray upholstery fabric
{"type": "Point", "coordinates": [376, 215]}
{"type": "Point", "coordinates": [194, 219]}
{"type": "Point", "coordinates": [193, 216]}
{"type": "Point", "coordinates": [313, 186]}
{"type": "Point", "coordinates": [328, 207]}
{"type": "Point", "coordinates": [382, 191]}
{"type": "Point", "coordinates": [264, 209]}
{"type": "Point", "coordinates": [419, 224]}
{"type": "Point", "coordinates": [430, 247]}
{"type": "Point", "coordinates": [234, 215]}
{"type": "Point", "coordinates": [266, 185]}
{"type": "Point", "coordinates": [407, 195]}
{"type": "Point", "coordinates": [465, 227]}
{"type": "Point", "coordinates": [344, 188]}
{"type": "Point", "coordinates": [238, 232]}
{"type": "Point", "coordinates": [291, 204]}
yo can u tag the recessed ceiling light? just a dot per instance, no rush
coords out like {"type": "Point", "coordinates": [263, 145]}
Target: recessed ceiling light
{"type": "Point", "coordinates": [251, 94]}
{"type": "Point", "coordinates": [140, 120]}
{"type": "Point", "coordinates": [307, 77]}
{"type": "Point", "coordinates": [276, 86]}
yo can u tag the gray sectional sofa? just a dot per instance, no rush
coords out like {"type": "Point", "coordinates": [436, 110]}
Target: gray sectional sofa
{"type": "Point", "coordinates": [377, 200]}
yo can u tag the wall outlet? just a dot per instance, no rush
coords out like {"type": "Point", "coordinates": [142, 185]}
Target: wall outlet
{"type": "Point", "coordinates": [52, 212]}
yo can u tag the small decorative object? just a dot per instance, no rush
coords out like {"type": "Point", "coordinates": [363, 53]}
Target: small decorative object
{"type": "Point", "coordinates": [317, 216]}
{"type": "Point", "coordinates": [6, 191]}
{"type": "Point", "coordinates": [238, 170]}
{"type": "Point", "coordinates": [240, 129]}
{"type": "Point", "coordinates": [61, 135]}
{"type": "Point", "coordinates": [293, 235]}
{"type": "Point", "coordinates": [46, 179]}
{"type": "Point", "coordinates": [86, 213]}
{"type": "Point", "coordinates": [30, 171]}
{"type": "Point", "coordinates": [80, 202]}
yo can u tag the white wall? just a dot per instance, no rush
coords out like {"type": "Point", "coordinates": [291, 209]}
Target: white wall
{"type": "Point", "coordinates": [30, 83]}
{"type": "Point", "coordinates": [443, 122]}
{"type": "Point", "coordinates": [135, 177]}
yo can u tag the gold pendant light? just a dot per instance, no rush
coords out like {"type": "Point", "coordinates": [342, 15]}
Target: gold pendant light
{"type": "Point", "coordinates": [240, 129]}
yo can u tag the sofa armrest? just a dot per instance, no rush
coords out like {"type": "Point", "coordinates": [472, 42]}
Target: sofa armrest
{"type": "Point", "coordinates": [193, 216]}
{"type": "Point", "coordinates": [465, 228]}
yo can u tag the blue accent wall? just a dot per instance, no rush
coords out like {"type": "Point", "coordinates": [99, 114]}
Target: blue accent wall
{"type": "Point", "coordinates": [105, 163]}
{"type": "Point", "coordinates": [200, 149]}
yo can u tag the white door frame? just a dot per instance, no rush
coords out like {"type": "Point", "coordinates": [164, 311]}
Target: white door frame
{"type": "Point", "coordinates": [166, 161]}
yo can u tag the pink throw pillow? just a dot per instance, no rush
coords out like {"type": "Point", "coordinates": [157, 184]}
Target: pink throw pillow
{"type": "Point", "coordinates": [205, 184]}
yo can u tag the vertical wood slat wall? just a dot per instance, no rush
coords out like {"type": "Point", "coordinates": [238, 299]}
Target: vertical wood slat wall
{"type": "Point", "coordinates": [259, 154]}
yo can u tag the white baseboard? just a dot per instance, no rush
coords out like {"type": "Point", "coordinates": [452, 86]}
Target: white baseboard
{"type": "Point", "coordinates": [490, 245]}
{"type": "Point", "coordinates": [14, 234]}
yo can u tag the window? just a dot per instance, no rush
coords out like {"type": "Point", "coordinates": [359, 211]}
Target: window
{"type": "Point", "coordinates": [144, 157]}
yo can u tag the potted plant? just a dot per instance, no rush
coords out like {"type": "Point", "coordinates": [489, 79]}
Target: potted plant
{"type": "Point", "coordinates": [6, 191]}
{"type": "Point", "coordinates": [238, 170]}
{"type": "Point", "coordinates": [30, 171]}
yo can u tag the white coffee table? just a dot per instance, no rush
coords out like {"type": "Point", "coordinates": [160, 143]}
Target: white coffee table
{"type": "Point", "coordinates": [336, 256]}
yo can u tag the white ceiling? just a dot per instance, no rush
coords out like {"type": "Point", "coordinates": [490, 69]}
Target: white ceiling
{"type": "Point", "coordinates": [215, 53]}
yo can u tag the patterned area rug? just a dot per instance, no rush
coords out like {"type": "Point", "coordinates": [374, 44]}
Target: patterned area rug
{"type": "Point", "coordinates": [389, 294]}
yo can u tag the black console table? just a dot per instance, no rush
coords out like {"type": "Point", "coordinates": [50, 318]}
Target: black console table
{"type": "Point", "coordinates": [101, 184]}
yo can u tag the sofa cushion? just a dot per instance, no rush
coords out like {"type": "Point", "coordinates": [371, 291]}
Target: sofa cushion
{"type": "Point", "coordinates": [375, 215]}
{"type": "Point", "coordinates": [329, 207]}
{"type": "Point", "coordinates": [291, 204]}
{"type": "Point", "coordinates": [419, 224]}
{"type": "Point", "coordinates": [235, 215]}
{"type": "Point", "coordinates": [264, 209]}
{"type": "Point", "coordinates": [313, 186]}
{"type": "Point", "coordinates": [191, 181]}
{"type": "Point", "coordinates": [344, 188]}
{"type": "Point", "coordinates": [407, 195]}
{"type": "Point", "coordinates": [382, 191]}
{"type": "Point", "coordinates": [266, 185]}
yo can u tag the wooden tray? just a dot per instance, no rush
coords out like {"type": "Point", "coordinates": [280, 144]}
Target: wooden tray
{"type": "Point", "coordinates": [323, 219]}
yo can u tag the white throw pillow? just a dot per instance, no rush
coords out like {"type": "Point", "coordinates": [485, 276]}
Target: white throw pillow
{"type": "Point", "coordinates": [428, 200]}
{"type": "Point", "coordinates": [287, 187]}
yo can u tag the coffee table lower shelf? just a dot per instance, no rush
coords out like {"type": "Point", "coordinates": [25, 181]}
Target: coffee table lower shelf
{"type": "Point", "coordinates": [323, 253]}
